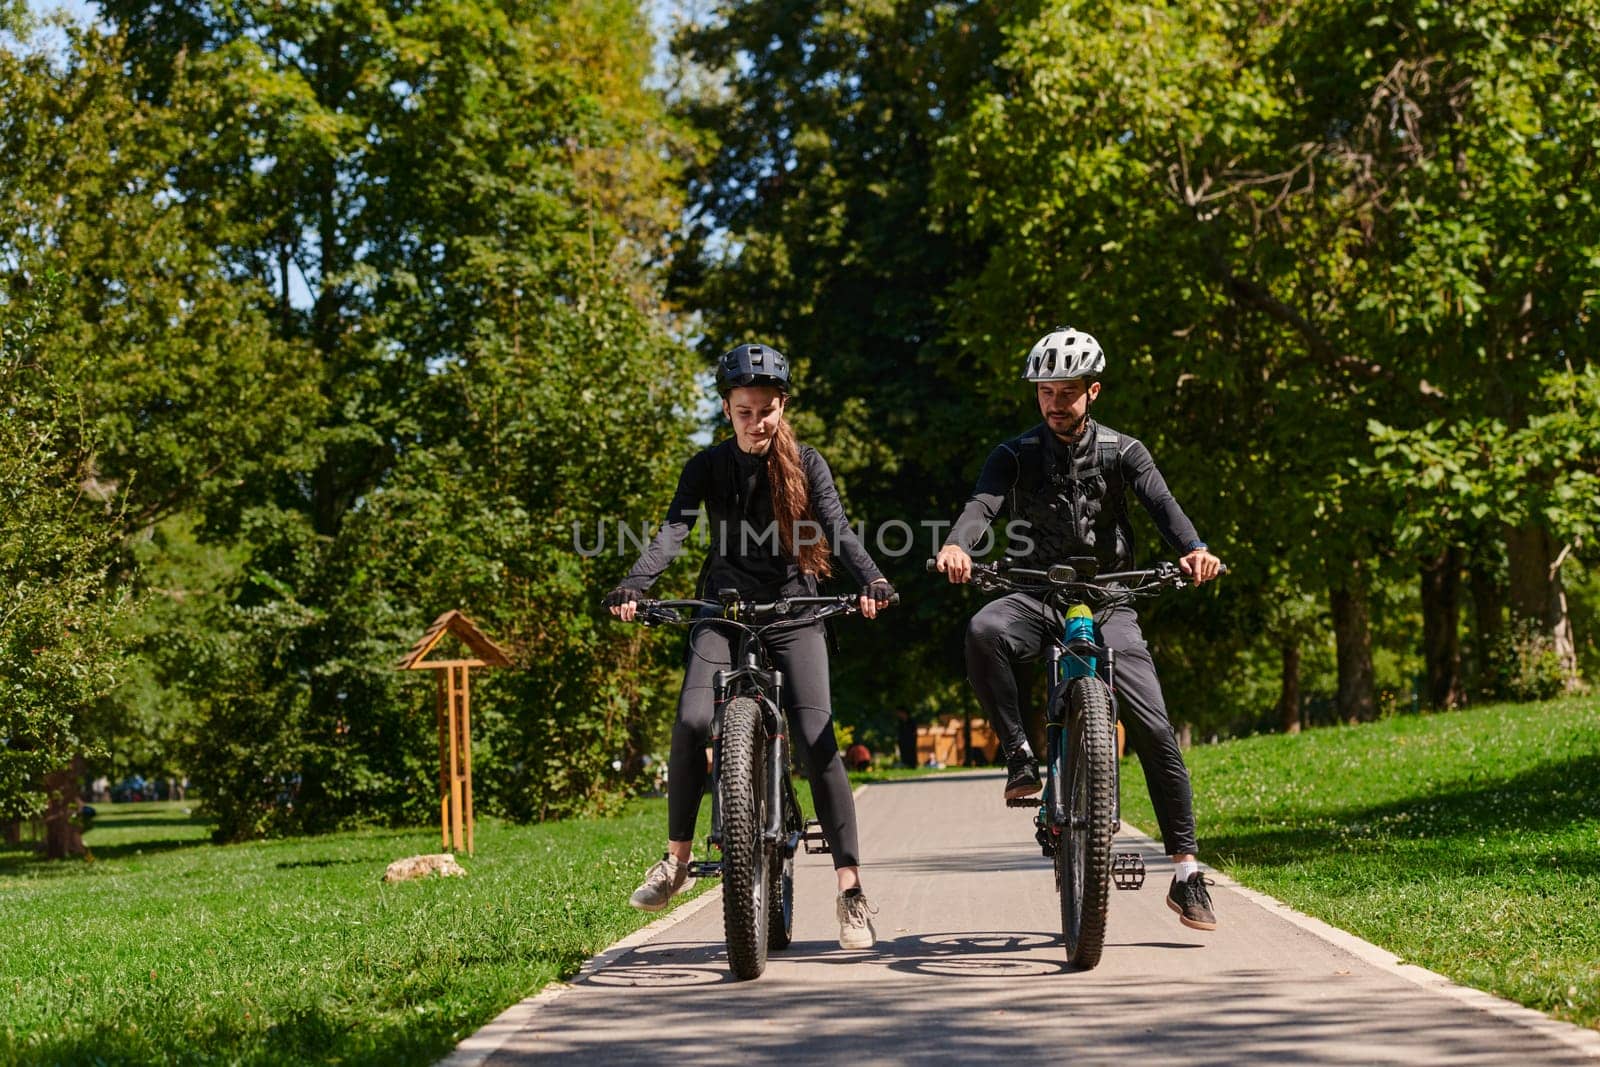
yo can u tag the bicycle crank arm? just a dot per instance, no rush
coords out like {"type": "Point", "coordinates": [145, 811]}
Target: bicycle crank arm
{"type": "Point", "coordinates": [1127, 870]}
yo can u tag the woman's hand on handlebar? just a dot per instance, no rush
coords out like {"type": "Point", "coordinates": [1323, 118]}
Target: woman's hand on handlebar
{"type": "Point", "coordinates": [954, 563]}
{"type": "Point", "coordinates": [875, 597]}
{"type": "Point", "coordinates": [623, 603]}
{"type": "Point", "coordinates": [1201, 565]}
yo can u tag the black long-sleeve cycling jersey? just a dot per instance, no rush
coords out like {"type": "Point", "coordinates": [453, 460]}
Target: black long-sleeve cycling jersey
{"type": "Point", "coordinates": [745, 550]}
{"type": "Point", "coordinates": [1073, 499]}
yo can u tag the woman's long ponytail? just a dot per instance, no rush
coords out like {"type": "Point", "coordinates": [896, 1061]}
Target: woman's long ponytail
{"type": "Point", "coordinates": [791, 502]}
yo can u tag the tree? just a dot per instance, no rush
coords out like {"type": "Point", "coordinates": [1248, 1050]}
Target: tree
{"type": "Point", "coordinates": [140, 387]}
{"type": "Point", "coordinates": [57, 537]}
{"type": "Point", "coordinates": [459, 213]}
{"type": "Point", "coordinates": [813, 227]}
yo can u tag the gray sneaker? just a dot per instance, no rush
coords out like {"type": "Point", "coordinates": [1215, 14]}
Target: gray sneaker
{"type": "Point", "coordinates": [665, 881]}
{"type": "Point", "coordinates": [855, 921]}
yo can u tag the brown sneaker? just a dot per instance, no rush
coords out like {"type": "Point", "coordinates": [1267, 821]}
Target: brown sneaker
{"type": "Point", "coordinates": [664, 881]}
{"type": "Point", "coordinates": [1191, 900]}
{"type": "Point", "coordinates": [1022, 776]}
{"type": "Point", "coordinates": [855, 920]}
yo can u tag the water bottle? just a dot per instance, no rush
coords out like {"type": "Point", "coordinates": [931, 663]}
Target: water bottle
{"type": "Point", "coordinates": [1080, 627]}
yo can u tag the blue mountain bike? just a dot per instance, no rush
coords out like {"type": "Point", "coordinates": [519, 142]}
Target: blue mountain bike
{"type": "Point", "coordinates": [1076, 816]}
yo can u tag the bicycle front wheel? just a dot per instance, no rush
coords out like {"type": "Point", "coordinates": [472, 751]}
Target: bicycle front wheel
{"type": "Point", "coordinates": [1086, 767]}
{"type": "Point", "coordinates": [744, 855]}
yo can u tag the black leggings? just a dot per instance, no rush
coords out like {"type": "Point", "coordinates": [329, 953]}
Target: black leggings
{"type": "Point", "coordinates": [801, 653]}
{"type": "Point", "coordinates": [1017, 629]}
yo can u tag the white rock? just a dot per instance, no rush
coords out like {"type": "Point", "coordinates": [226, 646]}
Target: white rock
{"type": "Point", "coordinates": [443, 864]}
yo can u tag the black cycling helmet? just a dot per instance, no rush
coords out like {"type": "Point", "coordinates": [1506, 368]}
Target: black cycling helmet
{"type": "Point", "coordinates": [752, 365]}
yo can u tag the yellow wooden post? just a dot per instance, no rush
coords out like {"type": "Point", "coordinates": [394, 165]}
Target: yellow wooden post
{"type": "Point", "coordinates": [455, 766]}
{"type": "Point", "coordinates": [442, 707]}
{"type": "Point", "coordinates": [466, 751]}
{"type": "Point", "coordinates": [454, 706]}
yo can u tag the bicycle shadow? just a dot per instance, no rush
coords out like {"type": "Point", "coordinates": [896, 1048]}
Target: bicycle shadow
{"type": "Point", "coordinates": [666, 964]}
{"type": "Point", "coordinates": [996, 954]}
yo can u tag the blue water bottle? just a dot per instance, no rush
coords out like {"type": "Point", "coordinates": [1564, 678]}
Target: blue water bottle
{"type": "Point", "coordinates": [1080, 628]}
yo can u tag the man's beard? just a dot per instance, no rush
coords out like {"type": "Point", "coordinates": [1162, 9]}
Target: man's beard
{"type": "Point", "coordinates": [1075, 431]}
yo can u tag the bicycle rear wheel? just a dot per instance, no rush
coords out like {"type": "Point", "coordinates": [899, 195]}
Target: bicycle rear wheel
{"type": "Point", "coordinates": [780, 867]}
{"type": "Point", "coordinates": [1085, 765]}
{"type": "Point", "coordinates": [780, 901]}
{"type": "Point", "coordinates": [745, 877]}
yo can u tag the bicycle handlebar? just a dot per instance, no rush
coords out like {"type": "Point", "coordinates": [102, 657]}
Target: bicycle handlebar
{"type": "Point", "coordinates": [745, 612]}
{"type": "Point", "coordinates": [1003, 576]}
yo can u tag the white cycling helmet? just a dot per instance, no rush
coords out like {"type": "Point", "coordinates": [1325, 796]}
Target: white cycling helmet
{"type": "Point", "coordinates": [1064, 353]}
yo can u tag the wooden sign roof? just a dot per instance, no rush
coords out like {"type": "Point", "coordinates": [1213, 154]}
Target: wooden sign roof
{"type": "Point", "coordinates": [453, 622]}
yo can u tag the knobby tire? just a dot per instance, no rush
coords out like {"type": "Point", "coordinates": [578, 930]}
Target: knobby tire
{"type": "Point", "coordinates": [744, 858]}
{"type": "Point", "coordinates": [1083, 858]}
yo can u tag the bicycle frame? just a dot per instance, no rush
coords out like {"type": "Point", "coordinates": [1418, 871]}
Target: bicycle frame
{"type": "Point", "coordinates": [754, 677]}
{"type": "Point", "coordinates": [1062, 658]}
{"type": "Point", "coordinates": [764, 684]}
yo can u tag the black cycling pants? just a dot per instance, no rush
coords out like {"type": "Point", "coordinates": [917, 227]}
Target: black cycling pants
{"type": "Point", "coordinates": [1018, 629]}
{"type": "Point", "coordinates": [801, 653]}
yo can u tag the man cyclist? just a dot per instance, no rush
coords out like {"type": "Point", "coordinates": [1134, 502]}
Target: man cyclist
{"type": "Point", "coordinates": [1064, 485]}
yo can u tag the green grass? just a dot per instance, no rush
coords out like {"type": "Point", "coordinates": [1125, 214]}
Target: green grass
{"type": "Point", "coordinates": [166, 949]}
{"type": "Point", "coordinates": [1467, 843]}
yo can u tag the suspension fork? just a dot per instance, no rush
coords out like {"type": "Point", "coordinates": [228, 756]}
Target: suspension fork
{"type": "Point", "coordinates": [719, 700]}
{"type": "Point", "coordinates": [1056, 739]}
{"type": "Point", "coordinates": [777, 772]}
{"type": "Point", "coordinates": [1116, 764]}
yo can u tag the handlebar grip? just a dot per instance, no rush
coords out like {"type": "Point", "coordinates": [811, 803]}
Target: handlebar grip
{"type": "Point", "coordinates": [931, 566]}
{"type": "Point", "coordinates": [894, 598]}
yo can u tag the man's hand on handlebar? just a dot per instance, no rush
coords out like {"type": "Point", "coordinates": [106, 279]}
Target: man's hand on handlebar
{"type": "Point", "coordinates": [1201, 565]}
{"type": "Point", "coordinates": [623, 603]}
{"type": "Point", "coordinates": [954, 563]}
{"type": "Point", "coordinates": [875, 597]}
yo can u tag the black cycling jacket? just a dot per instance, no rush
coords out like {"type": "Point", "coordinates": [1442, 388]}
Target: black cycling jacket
{"type": "Point", "coordinates": [744, 549]}
{"type": "Point", "coordinates": [1073, 498]}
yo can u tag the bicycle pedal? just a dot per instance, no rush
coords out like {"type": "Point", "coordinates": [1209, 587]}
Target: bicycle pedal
{"type": "Point", "coordinates": [705, 869]}
{"type": "Point", "coordinates": [1023, 802]}
{"type": "Point", "coordinates": [1127, 870]}
{"type": "Point", "coordinates": [816, 843]}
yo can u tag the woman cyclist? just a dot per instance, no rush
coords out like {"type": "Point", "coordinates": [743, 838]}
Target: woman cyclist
{"type": "Point", "coordinates": [775, 520]}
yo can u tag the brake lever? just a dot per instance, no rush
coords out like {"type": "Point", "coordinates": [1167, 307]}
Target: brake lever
{"type": "Point", "coordinates": [659, 616]}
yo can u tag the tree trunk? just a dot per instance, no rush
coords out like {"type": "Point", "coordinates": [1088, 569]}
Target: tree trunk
{"type": "Point", "coordinates": [62, 835]}
{"type": "Point", "coordinates": [1357, 698]}
{"type": "Point", "coordinates": [11, 832]}
{"type": "Point", "coordinates": [1289, 693]}
{"type": "Point", "coordinates": [1488, 615]}
{"type": "Point", "coordinates": [1537, 595]}
{"type": "Point", "coordinates": [1441, 628]}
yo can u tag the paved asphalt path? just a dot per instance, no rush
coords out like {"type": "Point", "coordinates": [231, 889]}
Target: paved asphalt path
{"type": "Point", "coordinates": [969, 969]}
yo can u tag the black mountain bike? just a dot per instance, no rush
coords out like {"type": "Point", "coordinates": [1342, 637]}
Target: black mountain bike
{"type": "Point", "coordinates": [757, 823]}
{"type": "Point", "coordinates": [1077, 815]}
